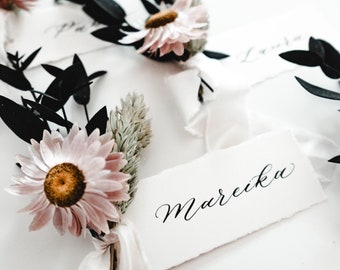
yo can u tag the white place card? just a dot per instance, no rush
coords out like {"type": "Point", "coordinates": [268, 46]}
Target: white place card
{"type": "Point", "coordinates": [224, 195]}
{"type": "Point", "coordinates": [254, 49]}
{"type": "Point", "coordinates": [61, 31]}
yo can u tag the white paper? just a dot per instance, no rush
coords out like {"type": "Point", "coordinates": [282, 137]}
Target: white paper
{"type": "Point", "coordinates": [216, 216]}
{"type": "Point", "coordinates": [61, 30]}
{"type": "Point", "coordinates": [254, 49]}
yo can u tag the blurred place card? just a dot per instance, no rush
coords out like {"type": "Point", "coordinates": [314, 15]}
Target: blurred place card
{"type": "Point", "coordinates": [254, 48]}
{"type": "Point", "coordinates": [224, 195]}
{"type": "Point", "coordinates": [61, 31]}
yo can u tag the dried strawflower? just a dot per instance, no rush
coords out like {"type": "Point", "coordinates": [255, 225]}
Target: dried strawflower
{"type": "Point", "coordinates": [75, 180]}
{"type": "Point", "coordinates": [172, 29]}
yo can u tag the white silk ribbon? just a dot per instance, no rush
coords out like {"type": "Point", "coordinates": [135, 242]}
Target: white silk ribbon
{"type": "Point", "coordinates": [131, 255]}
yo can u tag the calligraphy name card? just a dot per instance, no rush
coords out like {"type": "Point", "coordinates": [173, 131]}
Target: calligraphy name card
{"type": "Point", "coordinates": [224, 195]}
{"type": "Point", "coordinates": [255, 47]}
{"type": "Point", "coordinates": [61, 31]}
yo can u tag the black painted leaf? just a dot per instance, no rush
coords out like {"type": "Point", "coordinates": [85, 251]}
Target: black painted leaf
{"type": "Point", "coordinates": [316, 46]}
{"type": "Point", "coordinates": [99, 120]}
{"type": "Point", "coordinates": [107, 12]}
{"type": "Point", "coordinates": [11, 57]}
{"type": "Point", "coordinates": [29, 59]}
{"type": "Point", "coordinates": [318, 91]}
{"type": "Point", "coordinates": [53, 70]}
{"type": "Point", "coordinates": [15, 78]}
{"type": "Point", "coordinates": [111, 34]}
{"type": "Point", "coordinates": [151, 8]}
{"type": "Point", "coordinates": [331, 64]}
{"type": "Point", "coordinates": [61, 88]}
{"type": "Point", "coordinates": [330, 71]}
{"type": "Point", "coordinates": [215, 55]}
{"type": "Point", "coordinates": [335, 159]}
{"type": "Point", "coordinates": [82, 96]}
{"type": "Point", "coordinates": [47, 114]}
{"type": "Point", "coordinates": [165, 1]}
{"type": "Point", "coordinates": [304, 58]}
{"type": "Point", "coordinates": [78, 1]}
{"type": "Point", "coordinates": [112, 8]}
{"type": "Point", "coordinates": [96, 74]}
{"type": "Point", "coordinates": [23, 122]}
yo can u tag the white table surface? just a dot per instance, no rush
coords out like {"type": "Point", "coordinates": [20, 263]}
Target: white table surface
{"type": "Point", "coordinates": [308, 241]}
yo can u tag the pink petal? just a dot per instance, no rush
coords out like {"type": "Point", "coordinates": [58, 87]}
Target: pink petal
{"type": "Point", "coordinates": [103, 205]}
{"type": "Point", "coordinates": [60, 220]}
{"type": "Point", "coordinates": [78, 222]}
{"type": "Point", "coordinates": [96, 219]}
{"type": "Point", "coordinates": [37, 204]}
{"type": "Point", "coordinates": [41, 218]}
{"type": "Point", "coordinates": [25, 189]}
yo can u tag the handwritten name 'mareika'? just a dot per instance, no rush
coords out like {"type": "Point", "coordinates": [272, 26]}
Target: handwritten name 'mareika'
{"type": "Point", "coordinates": [190, 208]}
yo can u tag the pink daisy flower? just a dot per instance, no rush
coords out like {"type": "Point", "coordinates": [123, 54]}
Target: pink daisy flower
{"type": "Point", "coordinates": [75, 180]}
{"type": "Point", "coordinates": [11, 4]}
{"type": "Point", "coordinates": [171, 29]}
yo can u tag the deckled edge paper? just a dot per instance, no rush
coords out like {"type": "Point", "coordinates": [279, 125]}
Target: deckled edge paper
{"type": "Point", "coordinates": [254, 48]}
{"type": "Point", "coordinates": [226, 194]}
{"type": "Point", "coordinates": [60, 30]}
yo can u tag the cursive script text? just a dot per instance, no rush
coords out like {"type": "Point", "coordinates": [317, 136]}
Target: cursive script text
{"type": "Point", "coordinates": [191, 207]}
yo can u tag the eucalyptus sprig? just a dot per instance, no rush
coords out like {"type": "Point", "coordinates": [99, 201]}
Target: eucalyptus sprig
{"type": "Point", "coordinates": [29, 119]}
{"type": "Point", "coordinates": [320, 54]}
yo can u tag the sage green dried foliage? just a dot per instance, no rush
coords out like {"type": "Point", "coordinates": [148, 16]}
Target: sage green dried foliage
{"type": "Point", "coordinates": [132, 132]}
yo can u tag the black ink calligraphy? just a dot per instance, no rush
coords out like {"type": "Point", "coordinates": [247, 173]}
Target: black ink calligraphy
{"type": "Point", "coordinates": [191, 207]}
{"type": "Point", "coordinates": [71, 26]}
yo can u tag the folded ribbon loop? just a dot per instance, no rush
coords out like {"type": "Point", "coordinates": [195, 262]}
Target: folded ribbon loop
{"type": "Point", "coordinates": [130, 254]}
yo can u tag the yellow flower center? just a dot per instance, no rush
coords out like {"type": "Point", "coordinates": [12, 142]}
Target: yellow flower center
{"type": "Point", "coordinates": [64, 185]}
{"type": "Point", "coordinates": [161, 18]}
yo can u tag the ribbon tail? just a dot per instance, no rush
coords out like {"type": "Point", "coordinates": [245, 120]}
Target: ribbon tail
{"type": "Point", "coordinates": [96, 260]}
{"type": "Point", "coordinates": [131, 253]}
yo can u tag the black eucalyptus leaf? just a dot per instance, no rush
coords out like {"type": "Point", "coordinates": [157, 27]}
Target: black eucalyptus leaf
{"type": "Point", "coordinates": [15, 78]}
{"type": "Point", "coordinates": [82, 96]}
{"type": "Point", "coordinates": [112, 8]}
{"type": "Point", "coordinates": [318, 91]}
{"type": "Point", "coordinates": [106, 12]}
{"type": "Point", "coordinates": [165, 1]}
{"type": "Point", "coordinates": [29, 59]}
{"type": "Point", "coordinates": [304, 58]}
{"type": "Point", "coordinates": [53, 70]}
{"type": "Point", "coordinates": [81, 2]}
{"type": "Point", "coordinates": [61, 88]}
{"type": "Point", "coordinates": [22, 121]}
{"type": "Point", "coordinates": [215, 55]}
{"type": "Point", "coordinates": [111, 34]}
{"type": "Point", "coordinates": [315, 46]}
{"type": "Point", "coordinates": [47, 114]}
{"type": "Point", "coordinates": [332, 56]}
{"type": "Point", "coordinates": [96, 74]}
{"type": "Point", "coordinates": [330, 72]}
{"type": "Point", "coordinates": [335, 159]}
{"type": "Point", "coordinates": [99, 120]}
{"type": "Point", "coordinates": [151, 8]}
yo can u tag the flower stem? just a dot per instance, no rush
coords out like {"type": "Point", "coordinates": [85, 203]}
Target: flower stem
{"type": "Point", "coordinates": [113, 257]}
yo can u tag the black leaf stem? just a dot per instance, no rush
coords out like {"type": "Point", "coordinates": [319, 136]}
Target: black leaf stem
{"type": "Point", "coordinates": [86, 113]}
{"type": "Point", "coordinates": [207, 85]}
{"type": "Point", "coordinates": [34, 96]}
{"type": "Point", "coordinates": [65, 118]}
